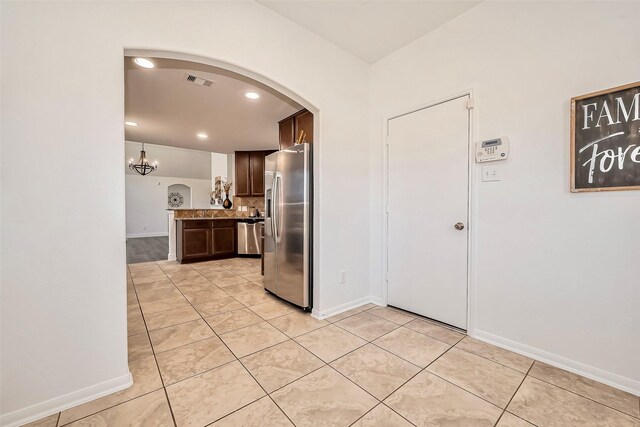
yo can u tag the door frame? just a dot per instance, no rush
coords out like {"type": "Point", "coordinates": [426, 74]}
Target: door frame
{"type": "Point", "coordinates": [471, 202]}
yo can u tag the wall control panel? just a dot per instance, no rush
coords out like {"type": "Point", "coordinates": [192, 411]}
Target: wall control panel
{"type": "Point", "coordinates": [492, 150]}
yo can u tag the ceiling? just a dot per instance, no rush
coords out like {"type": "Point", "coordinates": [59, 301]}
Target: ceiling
{"type": "Point", "coordinates": [369, 30]}
{"type": "Point", "coordinates": [170, 110]}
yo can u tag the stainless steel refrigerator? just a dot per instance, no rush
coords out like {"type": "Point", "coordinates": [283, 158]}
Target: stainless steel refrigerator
{"type": "Point", "coordinates": [288, 224]}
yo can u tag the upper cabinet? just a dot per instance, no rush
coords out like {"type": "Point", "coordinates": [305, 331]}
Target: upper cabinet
{"type": "Point", "coordinates": [290, 128]}
{"type": "Point", "coordinates": [250, 173]}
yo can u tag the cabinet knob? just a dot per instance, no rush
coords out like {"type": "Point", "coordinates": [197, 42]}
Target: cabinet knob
{"type": "Point", "coordinates": [459, 226]}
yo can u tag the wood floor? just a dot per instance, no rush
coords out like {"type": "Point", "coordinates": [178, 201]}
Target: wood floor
{"type": "Point", "coordinates": [145, 249]}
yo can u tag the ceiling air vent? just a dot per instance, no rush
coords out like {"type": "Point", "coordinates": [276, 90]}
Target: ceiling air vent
{"type": "Point", "coordinates": [190, 78]}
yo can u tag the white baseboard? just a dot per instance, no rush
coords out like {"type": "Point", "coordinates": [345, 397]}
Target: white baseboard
{"type": "Point", "coordinates": [57, 404]}
{"type": "Point", "coordinates": [605, 377]}
{"type": "Point", "coordinates": [344, 307]}
{"type": "Point", "coordinates": [136, 235]}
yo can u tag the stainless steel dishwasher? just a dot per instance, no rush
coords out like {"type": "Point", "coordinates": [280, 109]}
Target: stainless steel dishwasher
{"type": "Point", "coordinates": [249, 237]}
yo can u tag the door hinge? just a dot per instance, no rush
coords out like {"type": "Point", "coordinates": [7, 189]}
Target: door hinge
{"type": "Point", "coordinates": [387, 208]}
{"type": "Point", "coordinates": [471, 103]}
{"type": "Point", "coordinates": [386, 276]}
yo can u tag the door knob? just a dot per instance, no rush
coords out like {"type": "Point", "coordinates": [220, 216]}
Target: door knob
{"type": "Point", "coordinates": [459, 226]}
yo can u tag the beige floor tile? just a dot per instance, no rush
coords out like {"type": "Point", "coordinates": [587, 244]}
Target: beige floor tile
{"type": "Point", "coordinates": [135, 325]}
{"type": "Point", "coordinates": [367, 306]}
{"type": "Point", "coordinates": [179, 335]}
{"type": "Point", "coordinates": [392, 315]}
{"type": "Point", "coordinates": [232, 320]}
{"type": "Point", "coordinates": [330, 342]}
{"type": "Point", "coordinates": [253, 277]}
{"type": "Point", "coordinates": [192, 288]}
{"type": "Point", "coordinates": [260, 413]}
{"type": "Point", "coordinates": [496, 354]}
{"type": "Point", "coordinates": [142, 265]}
{"type": "Point", "coordinates": [190, 280]}
{"type": "Point", "coordinates": [427, 400]}
{"type": "Point", "coordinates": [367, 326]}
{"type": "Point", "coordinates": [132, 298]}
{"type": "Point", "coordinates": [547, 405]}
{"type": "Point", "coordinates": [184, 274]}
{"type": "Point", "coordinates": [211, 294]}
{"type": "Point", "coordinates": [413, 346]}
{"type": "Point", "coordinates": [50, 421]}
{"type": "Point", "coordinates": [224, 305]}
{"type": "Point", "coordinates": [192, 359]}
{"type": "Point", "coordinates": [612, 397]}
{"type": "Point", "coordinates": [172, 317]}
{"type": "Point", "coordinates": [337, 317]}
{"type": "Point", "coordinates": [245, 341]}
{"type": "Point", "coordinates": [297, 323]}
{"type": "Point", "coordinates": [244, 288]}
{"type": "Point", "coordinates": [218, 275]}
{"type": "Point", "coordinates": [323, 398]}
{"type": "Point", "coordinates": [435, 331]}
{"type": "Point", "coordinates": [281, 364]}
{"type": "Point", "coordinates": [136, 274]}
{"type": "Point", "coordinates": [156, 294]}
{"type": "Point", "coordinates": [510, 420]}
{"type": "Point", "coordinates": [139, 346]}
{"type": "Point", "coordinates": [146, 379]}
{"type": "Point", "coordinates": [377, 371]}
{"type": "Point", "coordinates": [164, 304]}
{"type": "Point", "coordinates": [382, 416]}
{"type": "Point", "coordinates": [228, 281]}
{"type": "Point", "coordinates": [272, 309]}
{"type": "Point", "coordinates": [489, 380]}
{"type": "Point", "coordinates": [158, 279]}
{"type": "Point", "coordinates": [150, 410]}
{"type": "Point", "coordinates": [207, 397]}
{"type": "Point", "coordinates": [154, 285]}
{"type": "Point", "coordinates": [255, 298]}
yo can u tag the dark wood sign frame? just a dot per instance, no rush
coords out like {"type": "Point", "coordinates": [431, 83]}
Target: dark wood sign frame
{"type": "Point", "coordinates": [573, 139]}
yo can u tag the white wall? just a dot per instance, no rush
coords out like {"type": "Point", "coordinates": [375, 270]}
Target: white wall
{"type": "Point", "coordinates": [146, 196]}
{"type": "Point", "coordinates": [146, 199]}
{"type": "Point", "coordinates": [557, 274]}
{"type": "Point", "coordinates": [62, 100]}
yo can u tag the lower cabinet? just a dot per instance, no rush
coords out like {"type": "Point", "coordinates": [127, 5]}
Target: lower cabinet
{"type": "Point", "coordinates": [199, 240]}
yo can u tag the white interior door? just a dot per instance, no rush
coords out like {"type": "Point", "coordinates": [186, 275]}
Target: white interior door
{"type": "Point", "coordinates": [428, 180]}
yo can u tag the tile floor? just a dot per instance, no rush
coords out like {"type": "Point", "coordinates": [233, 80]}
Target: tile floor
{"type": "Point", "coordinates": [207, 346]}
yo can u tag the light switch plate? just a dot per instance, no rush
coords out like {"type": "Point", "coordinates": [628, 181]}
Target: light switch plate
{"type": "Point", "coordinates": [490, 173]}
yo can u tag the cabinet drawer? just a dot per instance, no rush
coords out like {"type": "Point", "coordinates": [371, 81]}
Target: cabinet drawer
{"type": "Point", "coordinates": [218, 223]}
{"type": "Point", "coordinates": [196, 223]}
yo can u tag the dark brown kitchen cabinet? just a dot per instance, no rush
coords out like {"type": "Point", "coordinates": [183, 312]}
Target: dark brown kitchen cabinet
{"type": "Point", "coordinates": [243, 174]}
{"type": "Point", "coordinates": [200, 240]}
{"type": "Point", "coordinates": [291, 127]}
{"type": "Point", "coordinates": [224, 238]}
{"type": "Point", "coordinates": [250, 173]}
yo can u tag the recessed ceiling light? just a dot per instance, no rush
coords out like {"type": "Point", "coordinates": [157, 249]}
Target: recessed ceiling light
{"type": "Point", "coordinates": [202, 136]}
{"type": "Point", "coordinates": [144, 62]}
{"type": "Point", "coordinates": [131, 123]}
{"type": "Point", "coordinates": [252, 95]}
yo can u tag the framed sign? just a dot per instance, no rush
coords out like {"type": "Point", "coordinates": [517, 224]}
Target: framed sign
{"type": "Point", "coordinates": [605, 140]}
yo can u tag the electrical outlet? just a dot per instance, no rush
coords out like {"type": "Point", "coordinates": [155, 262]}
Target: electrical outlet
{"type": "Point", "coordinates": [343, 276]}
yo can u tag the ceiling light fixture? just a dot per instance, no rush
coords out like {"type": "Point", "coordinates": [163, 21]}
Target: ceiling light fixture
{"type": "Point", "coordinates": [252, 95]}
{"type": "Point", "coordinates": [131, 123]}
{"type": "Point", "coordinates": [142, 166]}
{"type": "Point", "coordinates": [144, 62]}
{"type": "Point", "coordinates": [202, 136]}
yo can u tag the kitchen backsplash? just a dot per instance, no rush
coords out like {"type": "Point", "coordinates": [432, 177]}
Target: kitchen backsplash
{"type": "Point", "coordinates": [255, 202]}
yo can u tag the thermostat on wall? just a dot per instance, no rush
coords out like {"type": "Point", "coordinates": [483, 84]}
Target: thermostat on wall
{"type": "Point", "coordinates": [492, 150]}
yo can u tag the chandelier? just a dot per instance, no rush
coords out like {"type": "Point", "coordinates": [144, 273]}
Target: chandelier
{"type": "Point", "coordinates": [142, 166]}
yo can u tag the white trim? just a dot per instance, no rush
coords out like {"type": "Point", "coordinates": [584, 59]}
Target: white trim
{"type": "Point", "coordinates": [471, 203]}
{"type": "Point", "coordinates": [136, 235]}
{"type": "Point", "coordinates": [345, 307]}
{"type": "Point", "coordinates": [614, 380]}
{"type": "Point", "coordinates": [66, 401]}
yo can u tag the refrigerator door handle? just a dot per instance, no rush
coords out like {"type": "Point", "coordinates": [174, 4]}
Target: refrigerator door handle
{"type": "Point", "coordinates": [277, 211]}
